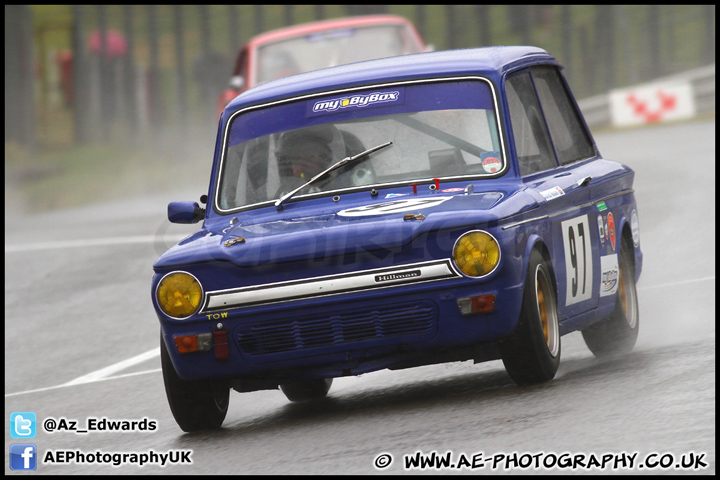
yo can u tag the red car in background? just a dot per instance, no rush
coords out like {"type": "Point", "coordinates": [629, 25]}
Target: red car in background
{"type": "Point", "coordinates": [311, 46]}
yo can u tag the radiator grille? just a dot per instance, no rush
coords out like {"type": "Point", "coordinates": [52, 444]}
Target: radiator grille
{"type": "Point", "coordinates": [352, 326]}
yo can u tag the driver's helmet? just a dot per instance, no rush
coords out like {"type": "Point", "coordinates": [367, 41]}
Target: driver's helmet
{"type": "Point", "coordinates": [305, 152]}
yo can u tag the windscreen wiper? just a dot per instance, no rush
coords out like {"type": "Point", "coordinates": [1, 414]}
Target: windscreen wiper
{"type": "Point", "coordinates": [344, 161]}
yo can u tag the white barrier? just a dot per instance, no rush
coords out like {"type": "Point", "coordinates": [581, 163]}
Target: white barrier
{"type": "Point", "coordinates": [657, 102]}
{"type": "Point", "coordinates": [669, 98]}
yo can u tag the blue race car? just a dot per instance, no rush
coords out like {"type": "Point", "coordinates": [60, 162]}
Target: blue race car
{"type": "Point", "coordinates": [429, 208]}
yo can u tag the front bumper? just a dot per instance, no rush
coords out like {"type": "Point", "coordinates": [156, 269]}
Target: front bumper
{"type": "Point", "coordinates": [322, 336]}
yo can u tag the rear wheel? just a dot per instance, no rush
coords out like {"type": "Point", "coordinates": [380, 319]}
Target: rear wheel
{"type": "Point", "coordinates": [616, 335]}
{"type": "Point", "coordinates": [195, 404]}
{"type": "Point", "coordinates": [307, 389]}
{"type": "Point", "coordinates": [532, 353]}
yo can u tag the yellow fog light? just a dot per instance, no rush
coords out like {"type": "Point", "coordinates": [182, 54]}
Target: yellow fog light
{"type": "Point", "coordinates": [179, 294]}
{"type": "Point", "coordinates": [476, 253]}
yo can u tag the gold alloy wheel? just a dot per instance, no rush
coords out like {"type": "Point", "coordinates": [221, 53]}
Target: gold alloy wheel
{"type": "Point", "coordinates": [621, 292]}
{"type": "Point", "coordinates": [627, 296]}
{"type": "Point", "coordinates": [547, 310]}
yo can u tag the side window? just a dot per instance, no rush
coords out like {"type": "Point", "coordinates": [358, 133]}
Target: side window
{"type": "Point", "coordinates": [568, 133]}
{"type": "Point", "coordinates": [532, 142]}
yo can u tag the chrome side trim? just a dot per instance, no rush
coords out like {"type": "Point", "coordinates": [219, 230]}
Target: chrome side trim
{"type": "Point", "coordinates": [576, 207]}
{"type": "Point", "coordinates": [523, 222]}
{"type": "Point", "coordinates": [329, 285]}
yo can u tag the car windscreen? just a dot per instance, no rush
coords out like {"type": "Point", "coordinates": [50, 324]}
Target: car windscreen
{"type": "Point", "coordinates": [330, 48]}
{"type": "Point", "coordinates": [438, 129]}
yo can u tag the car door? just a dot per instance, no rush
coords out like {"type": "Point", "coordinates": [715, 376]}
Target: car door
{"type": "Point", "coordinates": [553, 158]}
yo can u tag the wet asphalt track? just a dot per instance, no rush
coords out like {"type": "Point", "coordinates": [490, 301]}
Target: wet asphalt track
{"type": "Point", "coordinates": [78, 320]}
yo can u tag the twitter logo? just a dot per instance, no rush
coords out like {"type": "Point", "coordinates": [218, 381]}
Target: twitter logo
{"type": "Point", "coordinates": [23, 425]}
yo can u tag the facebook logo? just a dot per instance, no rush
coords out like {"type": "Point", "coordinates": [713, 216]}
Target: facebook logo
{"type": "Point", "coordinates": [23, 425]}
{"type": "Point", "coordinates": [23, 456]}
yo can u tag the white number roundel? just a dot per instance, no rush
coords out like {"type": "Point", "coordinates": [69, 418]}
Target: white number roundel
{"type": "Point", "coordinates": [578, 259]}
{"type": "Point", "coordinates": [394, 206]}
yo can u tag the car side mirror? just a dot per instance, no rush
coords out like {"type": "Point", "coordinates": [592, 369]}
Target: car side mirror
{"type": "Point", "coordinates": [185, 212]}
{"type": "Point", "coordinates": [237, 82]}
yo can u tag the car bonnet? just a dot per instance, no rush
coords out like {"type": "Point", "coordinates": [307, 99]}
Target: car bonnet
{"type": "Point", "coordinates": [327, 228]}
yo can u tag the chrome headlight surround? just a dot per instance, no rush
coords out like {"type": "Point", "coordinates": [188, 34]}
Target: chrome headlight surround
{"type": "Point", "coordinates": [179, 295]}
{"type": "Point", "coordinates": [476, 254]}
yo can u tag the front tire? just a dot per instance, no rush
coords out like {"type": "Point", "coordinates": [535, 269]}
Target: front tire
{"type": "Point", "coordinates": [195, 404]}
{"type": "Point", "coordinates": [617, 334]}
{"type": "Point", "coordinates": [532, 353]}
{"type": "Point", "coordinates": [307, 389]}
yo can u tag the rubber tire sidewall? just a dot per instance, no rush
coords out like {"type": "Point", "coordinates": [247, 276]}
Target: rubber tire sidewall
{"type": "Point", "coordinates": [307, 389]}
{"type": "Point", "coordinates": [613, 335]}
{"type": "Point", "coordinates": [197, 404]}
{"type": "Point", "coordinates": [525, 353]}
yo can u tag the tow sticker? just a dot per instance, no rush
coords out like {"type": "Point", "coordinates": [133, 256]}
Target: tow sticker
{"type": "Point", "coordinates": [385, 208]}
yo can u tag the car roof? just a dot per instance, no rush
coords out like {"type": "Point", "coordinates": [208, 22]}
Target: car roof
{"type": "Point", "coordinates": [491, 62]}
{"type": "Point", "coordinates": [323, 25]}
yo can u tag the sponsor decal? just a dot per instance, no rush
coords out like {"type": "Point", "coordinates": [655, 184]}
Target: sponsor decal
{"type": "Point", "coordinates": [611, 230]}
{"type": "Point", "coordinates": [393, 195]}
{"type": "Point", "coordinates": [395, 206]}
{"type": "Point", "coordinates": [610, 274]}
{"type": "Point", "coordinates": [552, 193]}
{"type": "Point", "coordinates": [601, 230]}
{"type": "Point", "coordinates": [635, 227]}
{"type": "Point", "coordinates": [606, 228]}
{"type": "Point", "coordinates": [350, 102]}
{"type": "Point", "coordinates": [601, 206]}
{"type": "Point", "coordinates": [449, 190]}
{"type": "Point", "coordinates": [397, 276]}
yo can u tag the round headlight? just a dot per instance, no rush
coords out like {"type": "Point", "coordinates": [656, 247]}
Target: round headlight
{"type": "Point", "coordinates": [179, 294]}
{"type": "Point", "coordinates": [476, 253]}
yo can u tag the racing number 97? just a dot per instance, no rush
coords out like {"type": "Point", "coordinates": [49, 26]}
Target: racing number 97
{"type": "Point", "coordinates": [578, 265]}
{"type": "Point", "coordinates": [573, 257]}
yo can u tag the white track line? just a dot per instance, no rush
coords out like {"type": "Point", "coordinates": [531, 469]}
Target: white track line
{"type": "Point", "coordinates": [103, 373]}
{"type": "Point", "coordinates": [675, 284]}
{"type": "Point", "coordinates": [107, 371]}
{"type": "Point", "coordinates": [71, 385]}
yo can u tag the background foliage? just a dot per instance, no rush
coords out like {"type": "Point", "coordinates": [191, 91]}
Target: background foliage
{"type": "Point", "coordinates": [159, 97]}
